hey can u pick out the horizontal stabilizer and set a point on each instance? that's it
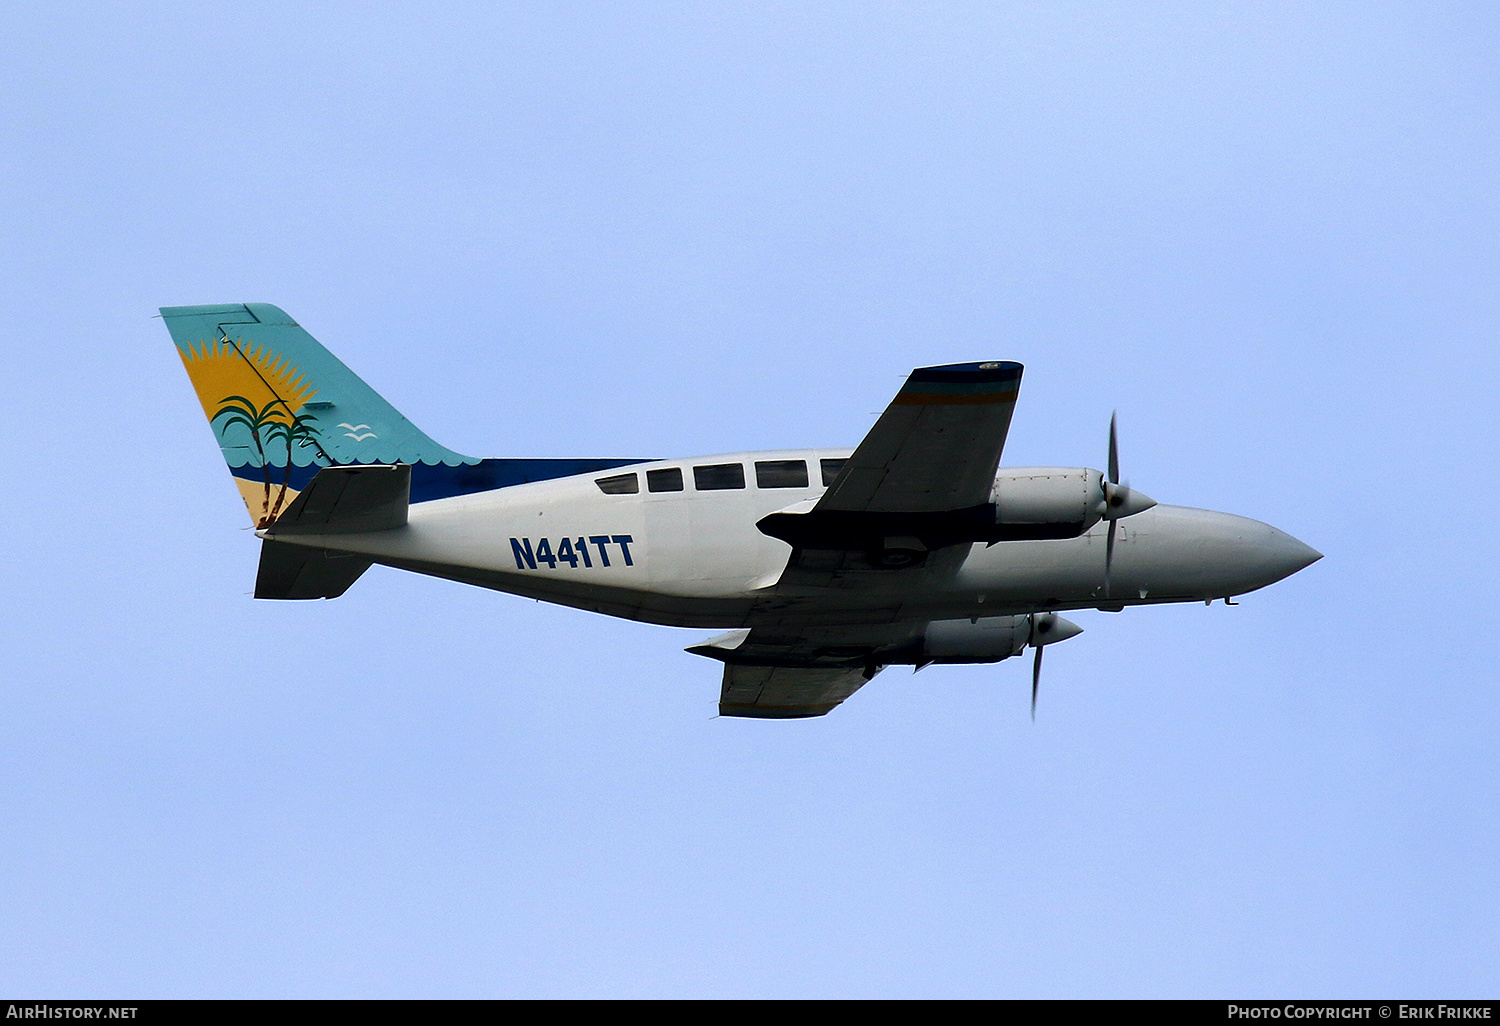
(349, 500)
(299, 572)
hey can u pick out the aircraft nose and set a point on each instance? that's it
(1290, 555)
(1216, 554)
(1266, 555)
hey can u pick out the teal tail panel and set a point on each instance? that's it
(281, 405)
(282, 408)
(252, 363)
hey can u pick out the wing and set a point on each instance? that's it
(937, 445)
(922, 480)
(896, 518)
(786, 672)
(787, 692)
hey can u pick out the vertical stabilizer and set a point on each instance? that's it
(282, 407)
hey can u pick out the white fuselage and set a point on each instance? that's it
(695, 558)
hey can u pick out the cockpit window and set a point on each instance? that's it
(781, 473)
(620, 484)
(668, 480)
(719, 476)
(831, 470)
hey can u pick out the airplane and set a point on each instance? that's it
(822, 566)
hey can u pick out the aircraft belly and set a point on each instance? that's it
(647, 606)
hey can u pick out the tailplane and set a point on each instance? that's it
(339, 501)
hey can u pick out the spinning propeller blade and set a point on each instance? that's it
(1109, 555)
(1114, 450)
(1036, 679)
(1046, 629)
(1119, 500)
(1114, 497)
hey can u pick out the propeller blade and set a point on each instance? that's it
(1109, 554)
(1114, 451)
(1036, 679)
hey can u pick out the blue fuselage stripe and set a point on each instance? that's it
(440, 481)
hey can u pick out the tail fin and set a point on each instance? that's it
(282, 407)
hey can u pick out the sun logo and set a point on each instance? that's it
(222, 368)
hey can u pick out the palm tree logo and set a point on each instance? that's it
(250, 388)
(273, 423)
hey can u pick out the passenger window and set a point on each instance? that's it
(668, 480)
(719, 476)
(831, 470)
(781, 473)
(620, 484)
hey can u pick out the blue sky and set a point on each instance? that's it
(1265, 232)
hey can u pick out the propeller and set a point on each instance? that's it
(1119, 500)
(1112, 498)
(1040, 625)
(1046, 629)
(1036, 679)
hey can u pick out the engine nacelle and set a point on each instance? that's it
(986, 640)
(1049, 495)
(990, 639)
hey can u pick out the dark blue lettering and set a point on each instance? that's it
(544, 554)
(565, 553)
(601, 542)
(524, 558)
(583, 551)
(624, 540)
